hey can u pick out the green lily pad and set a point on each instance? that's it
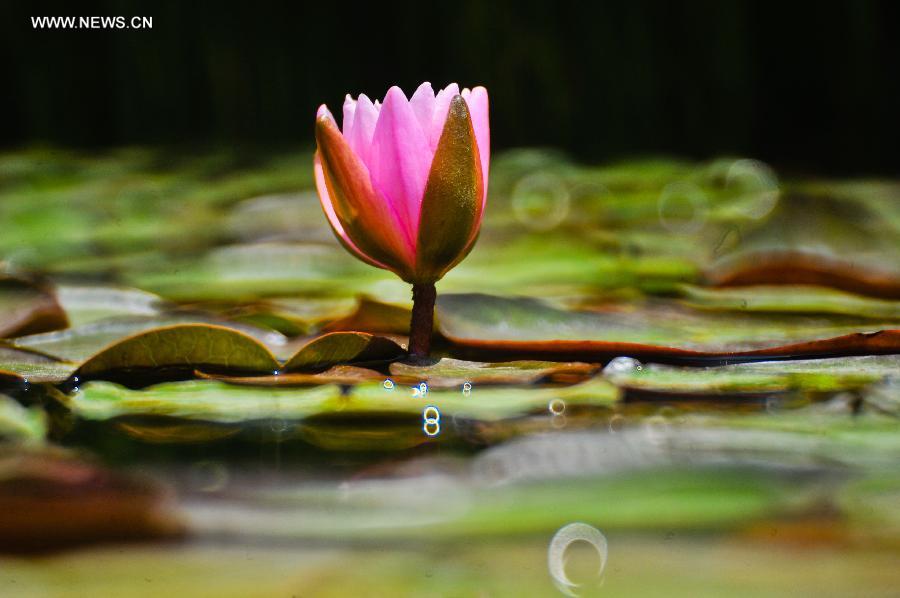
(342, 347)
(182, 345)
(818, 376)
(528, 328)
(33, 367)
(86, 304)
(211, 401)
(79, 343)
(791, 299)
(21, 424)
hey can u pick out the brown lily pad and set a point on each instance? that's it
(522, 328)
(49, 500)
(454, 372)
(339, 374)
(375, 317)
(28, 308)
(816, 240)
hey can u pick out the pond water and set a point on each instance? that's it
(649, 378)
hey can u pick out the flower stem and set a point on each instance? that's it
(422, 322)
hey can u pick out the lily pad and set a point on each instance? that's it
(375, 317)
(84, 304)
(816, 376)
(455, 372)
(339, 374)
(27, 366)
(792, 299)
(50, 500)
(28, 308)
(517, 328)
(342, 347)
(79, 343)
(182, 346)
(21, 424)
(211, 401)
(820, 240)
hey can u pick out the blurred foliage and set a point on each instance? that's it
(193, 314)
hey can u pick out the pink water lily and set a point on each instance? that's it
(404, 183)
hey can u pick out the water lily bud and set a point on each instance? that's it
(404, 183)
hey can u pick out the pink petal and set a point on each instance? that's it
(365, 216)
(400, 159)
(422, 103)
(360, 136)
(439, 117)
(349, 110)
(328, 207)
(477, 99)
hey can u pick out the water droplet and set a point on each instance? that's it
(209, 476)
(467, 389)
(656, 428)
(560, 544)
(755, 186)
(557, 406)
(682, 208)
(616, 423)
(621, 366)
(540, 201)
(388, 384)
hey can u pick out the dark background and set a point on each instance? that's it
(807, 86)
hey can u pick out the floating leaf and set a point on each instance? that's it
(792, 299)
(342, 347)
(454, 372)
(194, 346)
(33, 367)
(819, 376)
(339, 374)
(818, 240)
(21, 424)
(28, 308)
(211, 401)
(527, 328)
(79, 343)
(50, 500)
(86, 304)
(375, 317)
